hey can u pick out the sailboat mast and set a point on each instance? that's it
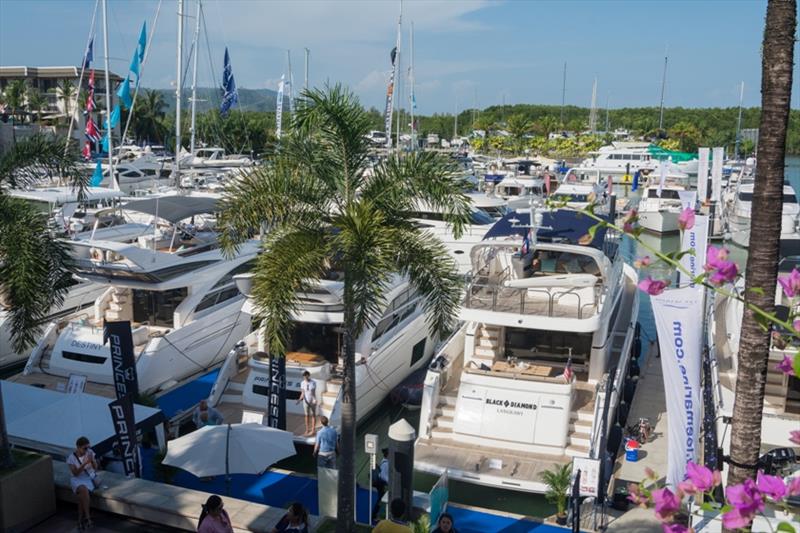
(739, 122)
(563, 93)
(398, 69)
(412, 96)
(291, 82)
(593, 109)
(195, 50)
(114, 183)
(178, 94)
(305, 82)
(663, 87)
(455, 118)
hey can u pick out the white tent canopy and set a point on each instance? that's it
(51, 421)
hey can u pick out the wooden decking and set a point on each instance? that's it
(51, 382)
(232, 413)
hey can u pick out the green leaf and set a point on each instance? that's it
(796, 364)
(679, 255)
(787, 527)
(756, 290)
(709, 507)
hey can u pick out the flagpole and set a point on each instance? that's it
(114, 183)
(80, 78)
(397, 69)
(413, 96)
(194, 73)
(178, 96)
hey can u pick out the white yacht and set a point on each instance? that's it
(738, 209)
(175, 287)
(621, 157)
(214, 157)
(398, 344)
(61, 204)
(492, 205)
(548, 326)
(576, 195)
(519, 187)
(659, 211)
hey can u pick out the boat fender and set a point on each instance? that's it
(438, 363)
(96, 255)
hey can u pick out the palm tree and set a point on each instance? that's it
(66, 92)
(33, 265)
(36, 102)
(518, 126)
(325, 211)
(762, 261)
(15, 96)
(557, 480)
(148, 119)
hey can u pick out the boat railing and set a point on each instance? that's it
(227, 371)
(40, 348)
(437, 378)
(530, 301)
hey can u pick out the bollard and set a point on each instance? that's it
(401, 463)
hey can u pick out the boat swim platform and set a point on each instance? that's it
(167, 505)
(295, 423)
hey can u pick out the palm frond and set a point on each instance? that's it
(367, 248)
(39, 158)
(433, 273)
(293, 257)
(33, 270)
(269, 195)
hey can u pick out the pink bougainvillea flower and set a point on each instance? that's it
(635, 495)
(653, 287)
(771, 486)
(643, 262)
(674, 528)
(790, 283)
(785, 366)
(631, 217)
(794, 436)
(746, 500)
(793, 486)
(796, 324)
(686, 218)
(699, 479)
(717, 264)
(666, 502)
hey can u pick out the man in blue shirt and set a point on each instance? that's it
(327, 446)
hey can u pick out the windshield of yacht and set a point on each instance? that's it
(748, 197)
(479, 216)
(583, 198)
(324, 340)
(666, 194)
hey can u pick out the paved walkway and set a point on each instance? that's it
(66, 518)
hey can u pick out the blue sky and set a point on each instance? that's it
(514, 48)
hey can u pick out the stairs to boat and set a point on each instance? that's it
(488, 345)
(329, 397)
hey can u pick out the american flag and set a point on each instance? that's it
(526, 243)
(90, 98)
(87, 150)
(92, 133)
(568, 373)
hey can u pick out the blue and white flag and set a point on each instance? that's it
(124, 93)
(142, 41)
(88, 57)
(230, 97)
(97, 177)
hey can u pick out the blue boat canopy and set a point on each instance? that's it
(568, 227)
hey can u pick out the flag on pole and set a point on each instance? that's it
(230, 96)
(91, 131)
(526, 243)
(635, 180)
(279, 109)
(142, 41)
(135, 65)
(87, 150)
(97, 177)
(387, 118)
(90, 97)
(662, 177)
(105, 143)
(124, 93)
(568, 372)
(115, 116)
(88, 57)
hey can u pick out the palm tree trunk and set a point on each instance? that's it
(762, 269)
(345, 513)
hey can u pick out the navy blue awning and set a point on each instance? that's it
(568, 227)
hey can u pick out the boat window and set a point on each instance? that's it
(496, 211)
(324, 340)
(666, 194)
(217, 297)
(479, 216)
(571, 198)
(83, 357)
(388, 323)
(263, 390)
(548, 346)
(787, 198)
(157, 308)
(241, 269)
(418, 352)
(555, 262)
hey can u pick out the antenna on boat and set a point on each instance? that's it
(739, 123)
(196, 52)
(178, 84)
(114, 183)
(663, 86)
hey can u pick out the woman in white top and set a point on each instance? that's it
(83, 466)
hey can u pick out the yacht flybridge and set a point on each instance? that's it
(172, 283)
(548, 326)
(659, 209)
(398, 344)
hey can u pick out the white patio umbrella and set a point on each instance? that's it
(229, 449)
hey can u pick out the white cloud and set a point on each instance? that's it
(375, 79)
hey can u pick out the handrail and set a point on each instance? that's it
(221, 383)
(507, 295)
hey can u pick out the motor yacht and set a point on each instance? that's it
(214, 157)
(172, 283)
(659, 208)
(398, 344)
(737, 213)
(532, 376)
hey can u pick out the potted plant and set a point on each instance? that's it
(557, 480)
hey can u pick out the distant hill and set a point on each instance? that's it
(208, 98)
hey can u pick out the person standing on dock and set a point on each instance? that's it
(380, 480)
(308, 395)
(327, 446)
(206, 416)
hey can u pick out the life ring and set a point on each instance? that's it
(96, 254)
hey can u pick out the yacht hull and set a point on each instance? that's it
(659, 221)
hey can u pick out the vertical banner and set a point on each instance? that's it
(439, 496)
(702, 174)
(279, 109)
(125, 429)
(387, 115)
(123, 362)
(717, 160)
(695, 239)
(679, 317)
(276, 408)
(688, 199)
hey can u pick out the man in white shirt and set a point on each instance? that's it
(308, 395)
